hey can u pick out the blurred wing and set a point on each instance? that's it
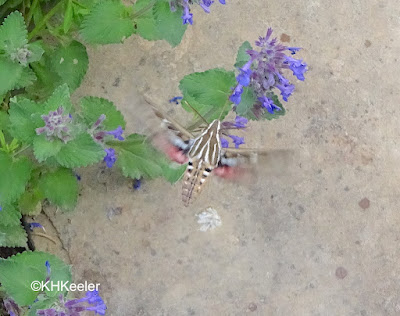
(244, 164)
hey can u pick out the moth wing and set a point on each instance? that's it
(246, 164)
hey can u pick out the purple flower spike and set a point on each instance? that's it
(56, 125)
(224, 142)
(48, 269)
(237, 140)
(240, 122)
(293, 50)
(187, 17)
(297, 66)
(286, 90)
(236, 96)
(116, 133)
(245, 72)
(136, 184)
(35, 225)
(269, 105)
(205, 4)
(172, 6)
(222, 1)
(175, 100)
(98, 309)
(110, 157)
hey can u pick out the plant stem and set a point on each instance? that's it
(43, 22)
(30, 13)
(21, 150)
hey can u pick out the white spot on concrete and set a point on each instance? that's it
(209, 219)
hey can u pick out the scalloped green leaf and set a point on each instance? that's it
(36, 52)
(13, 33)
(146, 25)
(19, 271)
(108, 22)
(137, 158)
(60, 97)
(26, 79)
(30, 202)
(15, 174)
(169, 24)
(173, 172)
(80, 152)
(242, 57)
(208, 92)
(71, 63)
(12, 236)
(93, 107)
(9, 216)
(9, 75)
(60, 187)
(24, 118)
(246, 105)
(44, 148)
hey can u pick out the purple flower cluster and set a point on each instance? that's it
(240, 123)
(11, 307)
(91, 302)
(187, 17)
(263, 72)
(56, 125)
(99, 134)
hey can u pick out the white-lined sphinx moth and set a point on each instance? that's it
(203, 153)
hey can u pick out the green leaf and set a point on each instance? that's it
(242, 57)
(9, 216)
(12, 236)
(60, 187)
(4, 121)
(173, 172)
(15, 174)
(136, 158)
(24, 118)
(13, 33)
(47, 79)
(169, 24)
(44, 148)
(146, 25)
(36, 50)
(68, 16)
(2, 2)
(108, 22)
(60, 97)
(80, 152)
(246, 105)
(93, 107)
(26, 79)
(30, 202)
(208, 92)
(19, 271)
(9, 75)
(71, 63)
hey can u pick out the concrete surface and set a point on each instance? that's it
(323, 239)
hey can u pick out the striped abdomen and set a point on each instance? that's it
(204, 155)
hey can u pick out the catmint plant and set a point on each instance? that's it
(264, 72)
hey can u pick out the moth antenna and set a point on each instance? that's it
(197, 112)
